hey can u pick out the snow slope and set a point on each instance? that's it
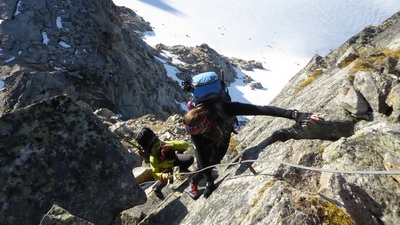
(283, 35)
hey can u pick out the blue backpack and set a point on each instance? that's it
(207, 87)
(205, 84)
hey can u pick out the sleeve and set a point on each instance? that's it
(155, 167)
(237, 109)
(179, 145)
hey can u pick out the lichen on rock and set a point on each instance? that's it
(56, 152)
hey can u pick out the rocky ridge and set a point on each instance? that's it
(85, 50)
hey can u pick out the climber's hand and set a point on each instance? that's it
(304, 119)
(164, 176)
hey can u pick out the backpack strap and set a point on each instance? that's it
(208, 99)
(218, 106)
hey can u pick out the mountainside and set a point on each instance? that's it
(86, 51)
(356, 89)
(70, 67)
(92, 52)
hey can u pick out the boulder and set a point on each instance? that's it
(54, 152)
(374, 88)
(355, 103)
(255, 85)
(142, 174)
(349, 56)
(393, 101)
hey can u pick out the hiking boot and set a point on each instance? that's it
(159, 194)
(210, 187)
(193, 191)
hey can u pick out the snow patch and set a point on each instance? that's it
(65, 45)
(171, 70)
(45, 38)
(59, 22)
(18, 7)
(183, 106)
(175, 59)
(9, 59)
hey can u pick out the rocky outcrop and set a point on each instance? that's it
(55, 152)
(83, 49)
(195, 60)
(202, 58)
(58, 215)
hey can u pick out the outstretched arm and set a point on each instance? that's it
(237, 108)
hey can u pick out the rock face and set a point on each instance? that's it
(54, 152)
(83, 49)
(356, 89)
(61, 163)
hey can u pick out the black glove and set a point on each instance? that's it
(303, 119)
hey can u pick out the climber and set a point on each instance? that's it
(163, 157)
(211, 124)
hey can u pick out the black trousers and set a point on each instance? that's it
(209, 153)
(184, 161)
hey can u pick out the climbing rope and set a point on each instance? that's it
(392, 172)
(376, 172)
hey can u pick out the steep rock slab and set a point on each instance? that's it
(369, 199)
(370, 145)
(54, 152)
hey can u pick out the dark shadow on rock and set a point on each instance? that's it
(325, 130)
(172, 213)
(362, 208)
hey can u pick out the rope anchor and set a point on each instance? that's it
(248, 164)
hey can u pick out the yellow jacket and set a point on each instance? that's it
(157, 164)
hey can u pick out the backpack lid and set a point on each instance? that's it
(204, 79)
